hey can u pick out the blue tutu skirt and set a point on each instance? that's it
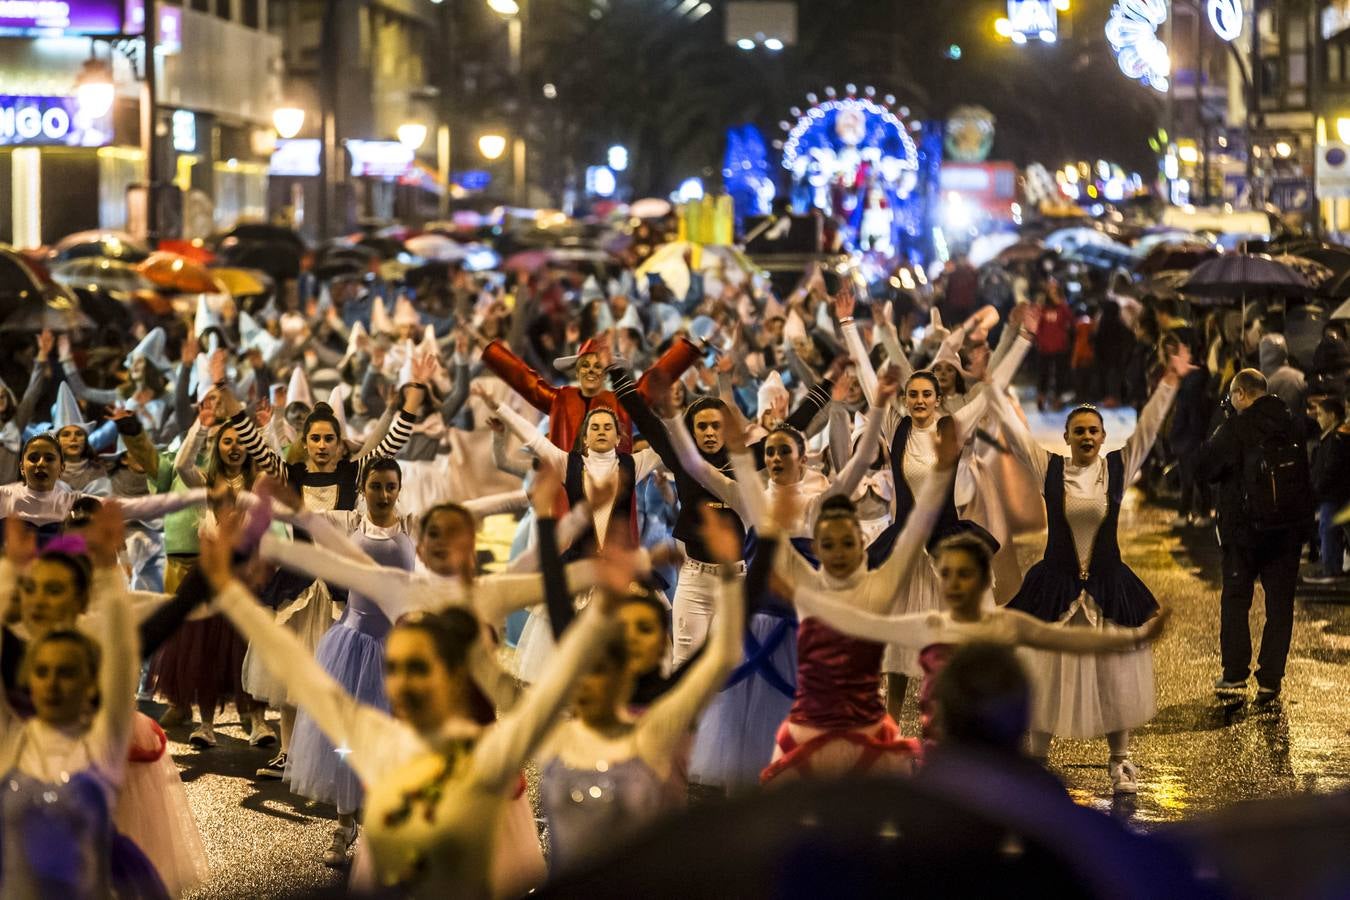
(314, 767)
(735, 738)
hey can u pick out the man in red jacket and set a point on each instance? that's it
(567, 406)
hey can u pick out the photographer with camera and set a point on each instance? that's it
(1265, 510)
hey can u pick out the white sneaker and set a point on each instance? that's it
(204, 737)
(262, 735)
(1124, 776)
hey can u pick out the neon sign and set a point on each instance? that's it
(73, 17)
(1132, 32)
(50, 121)
(1225, 17)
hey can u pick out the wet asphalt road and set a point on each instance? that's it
(1197, 755)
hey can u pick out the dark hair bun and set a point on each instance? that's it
(838, 504)
(321, 408)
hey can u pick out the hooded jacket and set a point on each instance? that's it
(1221, 461)
(1284, 381)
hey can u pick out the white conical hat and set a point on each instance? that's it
(254, 337)
(379, 319)
(630, 319)
(429, 345)
(354, 340)
(206, 318)
(269, 311)
(151, 348)
(794, 329)
(604, 317)
(325, 301)
(769, 390)
(404, 313)
(405, 373)
(67, 410)
(298, 390)
(590, 290)
(337, 399)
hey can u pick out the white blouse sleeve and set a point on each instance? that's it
(156, 506)
(118, 675)
(913, 631)
(532, 437)
(1020, 441)
(1146, 429)
(862, 363)
(724, 488)
(395, 591)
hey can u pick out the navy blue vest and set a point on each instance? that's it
(948, 522)
(1054, 583)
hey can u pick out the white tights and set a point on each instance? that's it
(1038, 745)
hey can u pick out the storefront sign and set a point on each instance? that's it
(50, 121)
(66, 16)
(1036, 19)
(1333, 170)
(296, 158)
(380, 159)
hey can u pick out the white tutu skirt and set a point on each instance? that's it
(310, 616)
(736, 735)
(535, 647)
(153, 810)
(1088, 695)
(923, 593)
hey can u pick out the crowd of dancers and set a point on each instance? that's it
(746, 523)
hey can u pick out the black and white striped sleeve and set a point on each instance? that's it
(400, 430)
(256, 447)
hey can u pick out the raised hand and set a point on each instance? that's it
(477, 390)
(845, 300)
(20, 542)
(616, 568)
(843, 384)
(733, 430)
(1179, 365)
(63, 346)
(104, 534)
(217, 367)
(191, 347)
(544, 494)
(45, 342)
(888, 385)
(720, 538)
(262, 413)
(217, 548)
(948, 444)
(424, 367)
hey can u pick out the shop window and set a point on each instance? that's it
(249, 13)
(225, 9)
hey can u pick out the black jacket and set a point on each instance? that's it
(1331, 469)
(1221, 461)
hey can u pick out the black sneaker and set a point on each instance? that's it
(275, 769)
(1230, 688)
(1265, 695)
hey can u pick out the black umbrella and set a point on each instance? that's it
(1333, 256)
(1241, 277)
(264, 233)
(57, 311)
(280, 259)
(1174, 256)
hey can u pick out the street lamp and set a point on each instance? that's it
(492, 146)
(288, 120)
(412, 135)
(504, 7)
(94, 89)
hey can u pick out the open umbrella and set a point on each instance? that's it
(436, 248)
(1172, 256)
(1101, 256)
(1314, 273)
(1242, 277)
(987, 247)
(1022, 251)
(107, 244)
(176, 273)
(57, 310)
(107, 274)
(262, 233)
(195, 250)
(527, 261)
(244, 282)
(1067, 238)
(280, 259)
